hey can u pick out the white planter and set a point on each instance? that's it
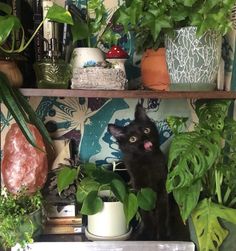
(83, 56)
(110, 222)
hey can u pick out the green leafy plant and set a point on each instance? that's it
(202, 172)
(16, 216)
(150, 20)
(10, 24)
(11, 97)
(91, 180)
(94, 26)
(21, 110)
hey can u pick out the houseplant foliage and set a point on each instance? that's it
(202, 172)
(151, 19)
(10, 24)
(16, 216)
(94, 25)
(21, 110)
(11, 97)
(91, 180)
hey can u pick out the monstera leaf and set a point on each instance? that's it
(191, 155)
(212, 114)
(187, 198)
(210, 234)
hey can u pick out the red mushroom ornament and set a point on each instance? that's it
(117, 57)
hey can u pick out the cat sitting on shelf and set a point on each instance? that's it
(146, 165)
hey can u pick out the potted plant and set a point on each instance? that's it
(194, 51)
(90, 70)
(152, 21)
(92, 181)
(11, 97)
(202, 173)
(93, 24)
(148, 20)
(21, 218)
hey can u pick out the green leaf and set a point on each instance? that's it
(209, 231)
(85, 187)
(6, 8)
(124, 18)
(176, 124)
(80, 31)
(191, 155)
(147, 199)
(187, 198)
(65, 178)
(104, 176)
(88, 168)
(92, 204)
(212, 114)
(130, 207)
(14, 107)
(33, 118)
(7, 24)
(59, 14)
(119, 189)
(189, 3)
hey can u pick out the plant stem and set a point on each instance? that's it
(226, 196)
(32, 37)
(232, 202)
(218, 181)
(87, 17)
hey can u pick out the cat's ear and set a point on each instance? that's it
(140, 113)
(116, 131)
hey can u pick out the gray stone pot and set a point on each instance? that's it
(193, 60)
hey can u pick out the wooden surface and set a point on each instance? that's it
(129, 94)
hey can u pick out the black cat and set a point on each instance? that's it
(146, 164)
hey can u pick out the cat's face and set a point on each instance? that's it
(140, 136)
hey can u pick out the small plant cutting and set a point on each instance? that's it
(91, 180)
(202, 173)
(17, 215)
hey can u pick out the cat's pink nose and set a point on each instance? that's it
(148, 145)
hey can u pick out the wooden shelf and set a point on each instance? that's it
(128, 94)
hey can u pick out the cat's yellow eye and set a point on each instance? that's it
(132, 139)
(147, 130)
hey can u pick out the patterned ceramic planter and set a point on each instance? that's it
(84, 57)
(193, 60)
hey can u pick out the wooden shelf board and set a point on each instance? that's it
(128, 94)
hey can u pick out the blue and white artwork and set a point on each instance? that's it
(85, 121)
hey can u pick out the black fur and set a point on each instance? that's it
(147, 168)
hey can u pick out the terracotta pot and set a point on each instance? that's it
(12, 72)
(154, 72)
